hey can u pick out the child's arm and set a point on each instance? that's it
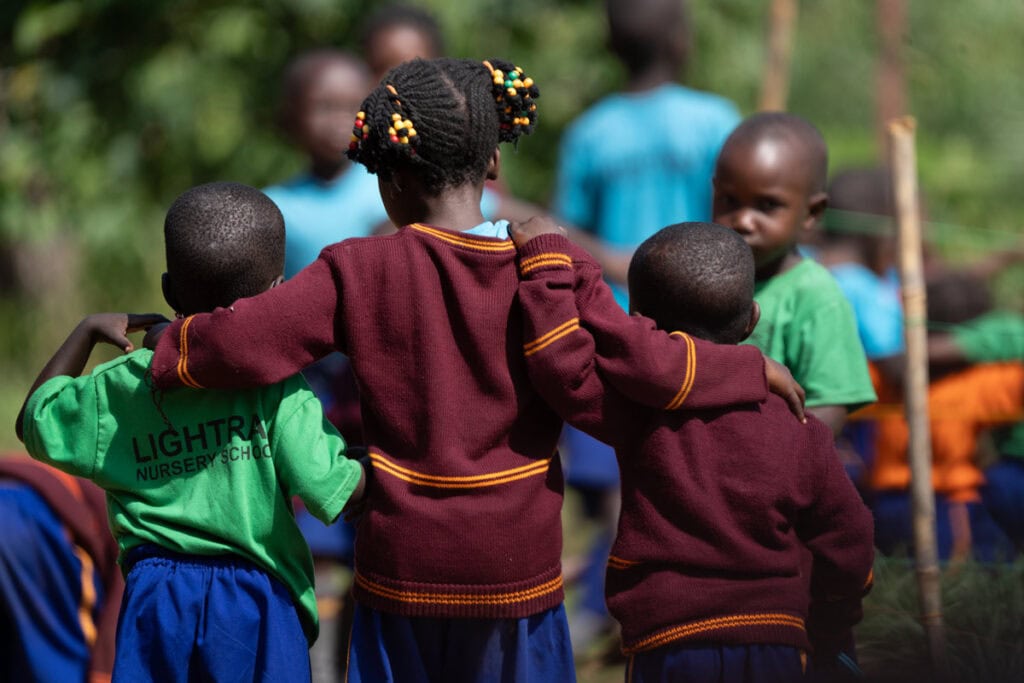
(256, 341)
(310, 457)
(71, 357)
(565, 300)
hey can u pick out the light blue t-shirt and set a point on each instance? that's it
(636, 162)
(498, 229)
(318, 213)
(876, 306)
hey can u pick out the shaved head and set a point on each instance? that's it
(802, 140)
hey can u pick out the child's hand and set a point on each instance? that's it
(153, 335)
(113, 328)
(522, 233)
(781, 382)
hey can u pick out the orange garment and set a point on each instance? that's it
(961, 406)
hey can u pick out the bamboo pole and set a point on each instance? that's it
(908, 222)
(775, 79)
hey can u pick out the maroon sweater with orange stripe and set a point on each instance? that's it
(463, 513)
(719, 506)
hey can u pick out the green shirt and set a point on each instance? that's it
(992, 338)
(808, 326)
(199, 472)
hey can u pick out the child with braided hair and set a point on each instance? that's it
(457, 558)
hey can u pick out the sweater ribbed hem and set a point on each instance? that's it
(777, 628)
(436, 600)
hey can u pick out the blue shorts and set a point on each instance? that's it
(386, 648)
(894, 528)
(186, 618)
(589, 463)
(717, 664)
(48, 599)
(1003, 495)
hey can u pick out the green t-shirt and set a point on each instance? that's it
(808, 326)
(992, 338)
(199, 472)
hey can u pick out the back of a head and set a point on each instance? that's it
(224, 241)
(796, 133)
(442, 119)
(697, 278)
(957, 297)
(644, 33)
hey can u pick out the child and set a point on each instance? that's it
(333, 199)
(707, 575)
(60, 587)
(769, 186)
(458, 550)
(397, 33)
(637, 160)
(198, 485)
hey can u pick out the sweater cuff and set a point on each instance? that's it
(166, 358)
(545, 252)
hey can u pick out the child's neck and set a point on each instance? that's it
(456, 208)
(779, 266)
(326, 170)
(651, 77)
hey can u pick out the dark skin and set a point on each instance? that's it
(780, 380)
(764, 190)
(71, 357)
(320, 118)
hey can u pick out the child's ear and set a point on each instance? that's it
(755, 315)
(816, 205)
(494, 165)
(168, 289)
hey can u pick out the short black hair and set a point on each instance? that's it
(860, 203)
(224, 241)
(300, 73)
(783, 126)
(957, 297)
(697, 278)
(395, 15)
(642, 33)
(460, 109)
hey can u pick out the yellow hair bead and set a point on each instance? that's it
(399, 125)
(527, 82)
(361, 116)
(404, 140)
(391, 131)
(517, 83)
(511, 91)
(396, 117)
(411, 132)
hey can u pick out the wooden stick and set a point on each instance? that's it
(775, 81)
(908, 222)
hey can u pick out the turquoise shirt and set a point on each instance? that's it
(636, 162)
(807, 325)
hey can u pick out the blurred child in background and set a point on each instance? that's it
(769, 187)
(199, 485)
(60, 586)
(707, 574)
(637, 160)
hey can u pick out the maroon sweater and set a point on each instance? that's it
(463, 512)
(719, 506)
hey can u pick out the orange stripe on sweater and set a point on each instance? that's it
(460, 598)
(688, 378)
(568, 327)
(459, 482)
(183, 373)
(465, 240)
(716, 624)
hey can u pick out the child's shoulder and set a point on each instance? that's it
(808, 282)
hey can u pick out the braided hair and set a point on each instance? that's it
(443, 118)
